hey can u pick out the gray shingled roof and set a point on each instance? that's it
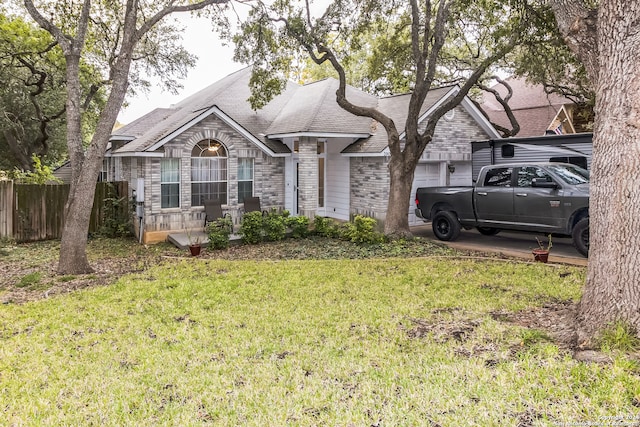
(229, 95)
(315, 110)
(395, 107)
(139, 126)
(311, 108)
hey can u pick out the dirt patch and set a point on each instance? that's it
(48, 283)
(458, 330)
(557, 319)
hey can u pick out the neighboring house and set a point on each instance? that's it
(537, 112)
(301, 152)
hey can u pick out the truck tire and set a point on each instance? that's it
(446, 226)
(580, 236)
(488, 231)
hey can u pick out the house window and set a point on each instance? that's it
(170, 183)
(245, 178)
(103, 176)
(208, 172)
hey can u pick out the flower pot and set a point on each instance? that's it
(195, 249)
(541, 255)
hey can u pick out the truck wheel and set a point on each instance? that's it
(488, 231)
(580, 236)
(446, 226)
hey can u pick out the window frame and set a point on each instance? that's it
(216, 155)
(242, 193)
(169, 184)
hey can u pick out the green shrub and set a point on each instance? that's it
(117, 216)
(361, 230)
(325, 227)
(219, 231)
(251, 228)
(29, 280)
(299, 226)
(273, 225)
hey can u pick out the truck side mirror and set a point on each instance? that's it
(543, 183)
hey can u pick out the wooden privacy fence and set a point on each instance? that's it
(30, 212)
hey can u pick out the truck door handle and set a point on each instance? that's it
(481, 193)
(521, 194)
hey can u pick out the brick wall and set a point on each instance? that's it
(369, 187)
(452, 138)
(308, 176)
(370, 176)
(268, 177)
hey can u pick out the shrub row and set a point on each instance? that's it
(259, 227)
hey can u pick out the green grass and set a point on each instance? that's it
(30, 280)
(305, 342)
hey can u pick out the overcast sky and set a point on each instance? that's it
(214, 62)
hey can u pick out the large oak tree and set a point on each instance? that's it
(111, 34)
(31, 95)
(605, 36)
(424, 42)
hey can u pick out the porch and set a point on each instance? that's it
(181, 239)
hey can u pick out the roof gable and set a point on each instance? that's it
(397, 106)
(311, 109)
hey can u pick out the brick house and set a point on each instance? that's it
(301, 152)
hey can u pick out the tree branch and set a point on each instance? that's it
(146, 26)
(504, 102)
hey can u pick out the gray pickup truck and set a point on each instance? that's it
(547, 197)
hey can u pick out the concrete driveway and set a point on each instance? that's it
(509, 243)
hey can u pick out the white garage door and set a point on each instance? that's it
(427, 175)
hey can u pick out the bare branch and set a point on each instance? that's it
(64, 42)
(504, 102)
(172, 9)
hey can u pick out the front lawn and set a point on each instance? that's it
(383, 341)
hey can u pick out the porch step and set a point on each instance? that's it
(181, 240)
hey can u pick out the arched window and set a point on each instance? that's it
(208, 172)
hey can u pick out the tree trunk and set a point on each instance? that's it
(612, 291)
(401, 173)
(17, 150)
(73, 245)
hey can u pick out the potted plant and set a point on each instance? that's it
(195, 243)
(541, 253)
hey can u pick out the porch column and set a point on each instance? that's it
(308, 176)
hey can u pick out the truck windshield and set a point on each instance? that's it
(572, 175)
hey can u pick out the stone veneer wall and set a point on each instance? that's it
(452, 138)
(369, 187)
(308, 176)
(370, 175)
(268, 177)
